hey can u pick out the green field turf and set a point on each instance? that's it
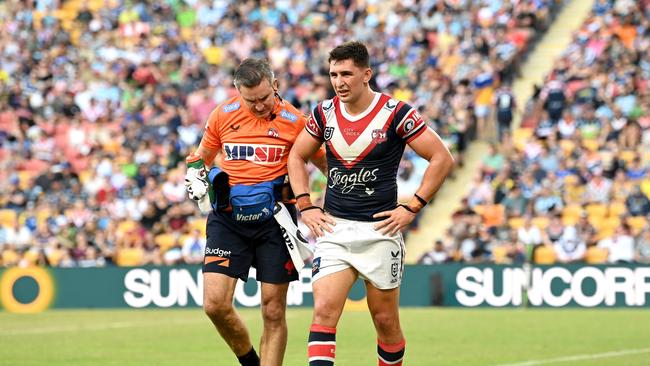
(434, 337)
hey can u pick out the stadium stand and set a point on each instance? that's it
(580, 157)
(100, 100)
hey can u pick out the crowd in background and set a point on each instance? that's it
(573, 184)
(101, 100)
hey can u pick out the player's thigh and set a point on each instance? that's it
(272, 259)
(218, 290)
(380, 301)
(228, 250)
(331, 292)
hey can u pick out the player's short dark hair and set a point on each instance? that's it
(252, 71)
(353, 50)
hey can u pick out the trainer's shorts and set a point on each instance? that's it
(232, 248)
(378, 258)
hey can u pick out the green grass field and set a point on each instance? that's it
(434, 337)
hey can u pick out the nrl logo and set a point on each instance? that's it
(329, 131)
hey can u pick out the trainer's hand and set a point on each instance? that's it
(396, 220)
(196, 183)
(317, 221)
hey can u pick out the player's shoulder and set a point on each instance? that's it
(226, 111)
(400, 108)
(290, 113)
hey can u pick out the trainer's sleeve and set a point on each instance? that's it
(211, 139)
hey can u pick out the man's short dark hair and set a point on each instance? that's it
(252, 71)
(353, 50)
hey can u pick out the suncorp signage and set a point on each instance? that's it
(553, 286)
(184, 287)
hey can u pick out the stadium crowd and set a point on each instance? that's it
(572, 185)
(101, 100)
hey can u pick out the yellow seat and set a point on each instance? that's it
(567, 147)
(545, 255)
(627, 156)
(521, 136)
(616, 209)
(596, 255)
(569, 220)
(596, 221)
(125, 226)
(85, 176)
(25, 179)
(572, 211)
(130, 257)
(500, 254)
(591, 145)
(637, 223)
(571, 179)
(165, 241)
(516, 222)
(479, 209)
(596, 209)
(7, 217)
(610, 223)
(540, 221)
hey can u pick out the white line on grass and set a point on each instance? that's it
(593, 356)
(93, 327)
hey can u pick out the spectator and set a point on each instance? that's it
(438, 254)
(620, 245)
(642, 254)
(570, 247)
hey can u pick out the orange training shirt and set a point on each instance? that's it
(253, 150)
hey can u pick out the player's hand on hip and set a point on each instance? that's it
(196, 183)
(317, 221)
(396, 220)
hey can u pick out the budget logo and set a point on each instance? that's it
(256, 153)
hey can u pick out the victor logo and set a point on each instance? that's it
(348, 181)
(248, 218)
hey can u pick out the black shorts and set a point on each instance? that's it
(232, 248)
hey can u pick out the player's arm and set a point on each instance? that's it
(208, 155)
(303, 149)
(429, 146)
(319, 160)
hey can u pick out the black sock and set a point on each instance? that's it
(249, 359)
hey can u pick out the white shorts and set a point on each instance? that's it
(378, 258)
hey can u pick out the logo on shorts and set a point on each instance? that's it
(394, 268)
(221, 257)
(289, 266)
(315, 266)
(394, 254)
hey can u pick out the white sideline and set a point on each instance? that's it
(593, 356)
(93, 327)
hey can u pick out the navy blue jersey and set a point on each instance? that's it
(363, 153)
